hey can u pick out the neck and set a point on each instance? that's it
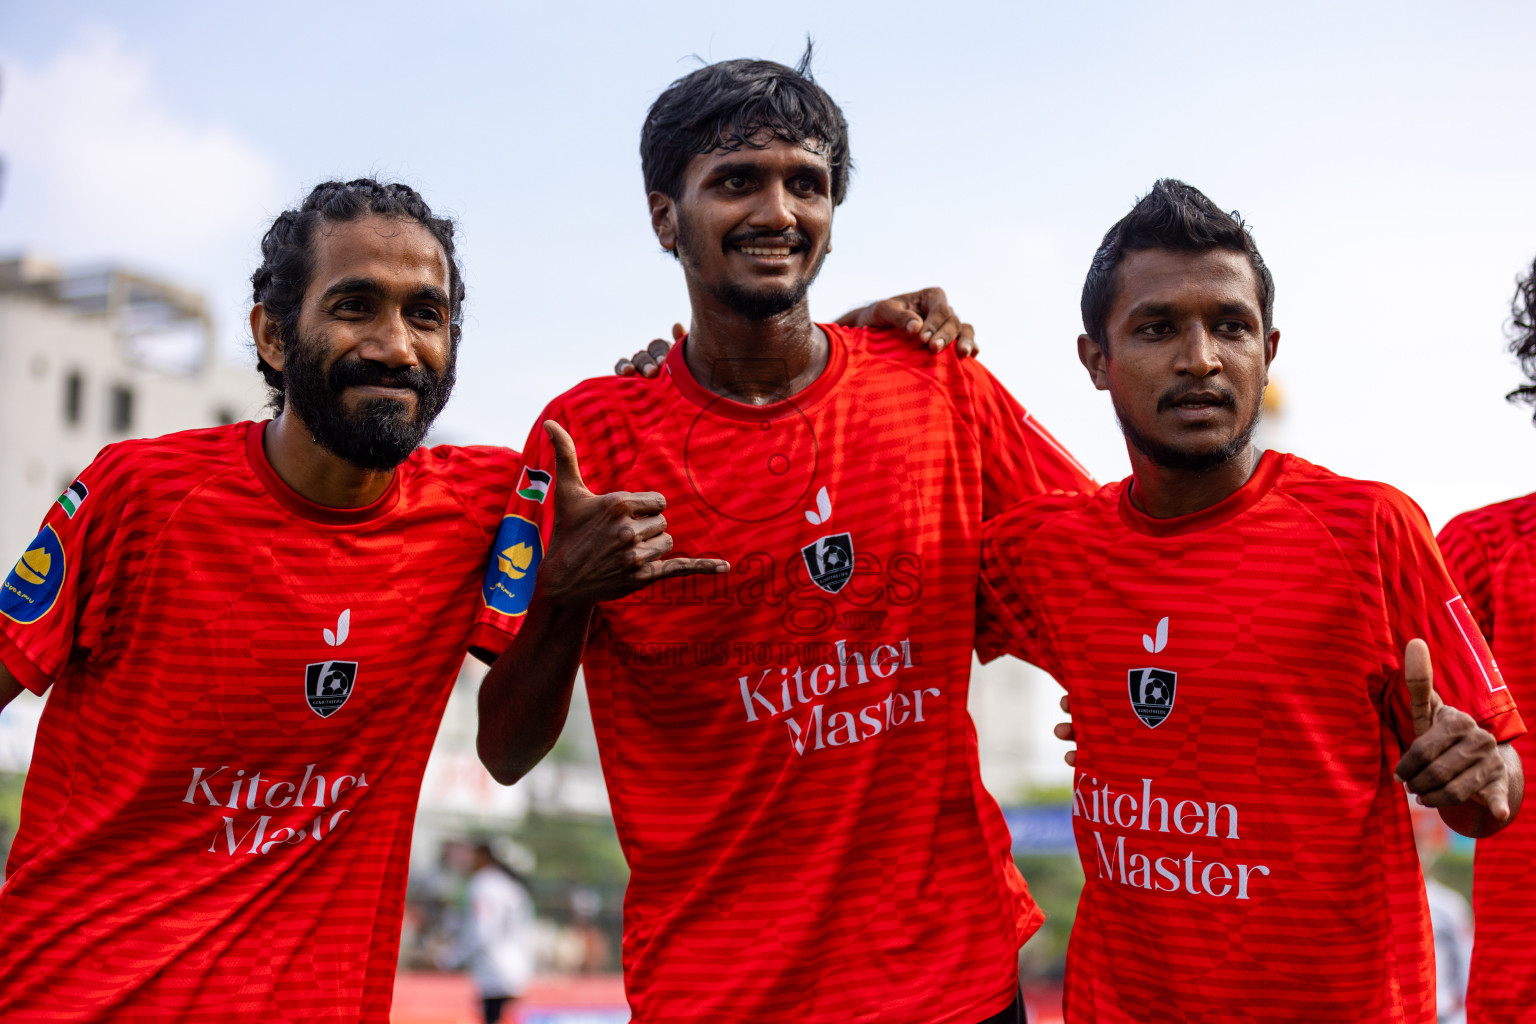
(1162, 492)
(754, 361)
(315, 473)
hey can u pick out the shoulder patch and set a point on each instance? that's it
(33, 586)
(514, 566)
(73, 497)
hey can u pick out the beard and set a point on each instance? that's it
(378, 433)
(762, 303)
(1169, 457)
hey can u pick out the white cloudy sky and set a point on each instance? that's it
(1383, 152)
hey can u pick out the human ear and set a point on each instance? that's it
(269, 346)
(1095, 360)
(664, 219)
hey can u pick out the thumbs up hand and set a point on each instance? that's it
(1453, 761)
(606, 546)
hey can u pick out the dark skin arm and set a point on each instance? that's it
(925, 314)
(604, 546)
(1454, 765)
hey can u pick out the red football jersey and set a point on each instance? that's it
(1237, 697)
(792, 768)
(243, 690)
(1491, 554)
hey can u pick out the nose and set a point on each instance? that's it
(773, 211)
(1199, 356)
(390, 342)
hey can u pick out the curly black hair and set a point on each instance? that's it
(288, 262)
(1522, 341)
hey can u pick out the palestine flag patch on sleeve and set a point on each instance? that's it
(73, 497)
(533, 484)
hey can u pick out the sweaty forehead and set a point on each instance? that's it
(765, 148)
(1168, 277)
(392, 251)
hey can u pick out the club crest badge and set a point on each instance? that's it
(328, 684)
(1152, 694)
(830, 561)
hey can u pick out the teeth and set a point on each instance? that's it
(759, 251)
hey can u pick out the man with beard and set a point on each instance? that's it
(1491, 553)
(1246, 640)
(791, 766)
(248, 635)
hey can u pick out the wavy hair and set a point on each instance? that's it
(288, 255)
(1522, 340)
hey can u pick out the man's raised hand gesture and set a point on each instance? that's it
(1454, 764)
(606, 546)
(603, 547)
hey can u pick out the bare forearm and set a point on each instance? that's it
(527, 692)
(1473, 819)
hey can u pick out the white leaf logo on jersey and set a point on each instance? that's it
(1152, 646)
(823, 509)
(344, 621)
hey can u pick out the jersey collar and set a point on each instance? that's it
(1228, 508)
(837, 361)
(301, 506)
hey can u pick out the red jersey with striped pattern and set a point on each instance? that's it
(792, 768)
(1239, 708)
(1491, 553)
(243, 690)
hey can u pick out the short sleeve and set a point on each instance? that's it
(55, 603)
(1422, 601)
(1020, 458)
(1007, 619)
(521, 539)
(1471, 569)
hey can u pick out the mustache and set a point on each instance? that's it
(792, 237)
(357, 372)
(1174, 396)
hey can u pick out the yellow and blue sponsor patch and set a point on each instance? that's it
(33, 586)
(514, 566)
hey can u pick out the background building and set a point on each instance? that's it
(89, 357)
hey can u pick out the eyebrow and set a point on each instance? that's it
(1166, 309)
(748, 169)
(368, 286)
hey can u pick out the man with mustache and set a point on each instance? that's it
(790, 762)
(1246, 640)
(1489, 552)
(248, 635)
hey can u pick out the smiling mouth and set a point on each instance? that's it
(766, 250)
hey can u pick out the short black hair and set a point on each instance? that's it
(732, 104)
(1172, 216)
(288, 255)
(1522, 341)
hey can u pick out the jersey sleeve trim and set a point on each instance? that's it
(20, 666)
(487, 638)
(1505, 726)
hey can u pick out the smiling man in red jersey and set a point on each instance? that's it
(792, 768)
(1247, 642)
(248, 635)
(1491, 553)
